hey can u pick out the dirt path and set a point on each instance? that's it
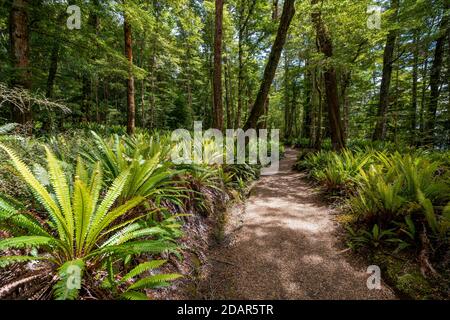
(286, 248)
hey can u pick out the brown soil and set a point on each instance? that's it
(285, 246)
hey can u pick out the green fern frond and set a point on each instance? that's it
(134, 296)
(61, 188)
(70, 278)
(136, 234)
(28, 242)
(40, 193)
(143, 267)
(9, 260)
(136, 247)
(159, 280)
(115, 214)
(82, 209)
(106, 204)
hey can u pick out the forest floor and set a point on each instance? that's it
(284, 244)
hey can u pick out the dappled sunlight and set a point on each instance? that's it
(286, 248)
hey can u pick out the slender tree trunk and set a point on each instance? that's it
(52, 70)
(228, 100)
(242, 30)
(319, 130)
(217, 78)
(345, 102)
(331, 88)
(307, 110)
(86, 101)
(415, 76)
(271, 67)
(131, 107)
(263, 124)
(293, 107)
(20, 53)
(435, 78)
(143, 86)
(104, 113)
(287, 131)
(381, 125)
(423, 96)
(274, 10)
(237, 121)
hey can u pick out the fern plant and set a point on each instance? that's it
(125, 288)
(82, 229)
(150, 172)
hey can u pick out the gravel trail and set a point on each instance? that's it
(286, 247)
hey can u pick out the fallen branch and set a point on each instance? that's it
(426, 267)
(24, 100)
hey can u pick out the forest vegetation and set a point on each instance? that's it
(87, 182)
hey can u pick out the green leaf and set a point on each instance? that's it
(134, 295)
(143, 267)
(70, 279)
(155, 281)
(6, 261)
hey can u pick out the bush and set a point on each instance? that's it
(81, 231)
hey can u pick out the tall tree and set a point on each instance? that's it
(414, 90)
(242, 26)
(131, 106)
(325, 46)
(272, 64)
(274, 10)
(435, 75)
(383, 106)
(20, 52)
(217, 77)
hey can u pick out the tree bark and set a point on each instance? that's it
(20, 53)
(85, 103)
(345, 100)
(274, 10)
(131, 106)
(415, 76)
(287, 129)
(228, 98)
(217, 77)
(319, 122)
(435, 77)
(271, 67)
(383, 106)
(237, 120)
(326, 47)
(52, 70)
(308, 110)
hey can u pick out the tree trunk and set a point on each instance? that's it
(131, 107)
(415, 76)
(271, 67)
(217, 77)
(274, 10)
(326, 47)
(287, 129)
(228, 100)
(52, 70)
(319, 124)
(307, 117)
(85, 103)
(435, 77)
(381, 125)
(20, 53)
(346, 103)
(237, 120)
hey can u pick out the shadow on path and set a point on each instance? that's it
(286, 248)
